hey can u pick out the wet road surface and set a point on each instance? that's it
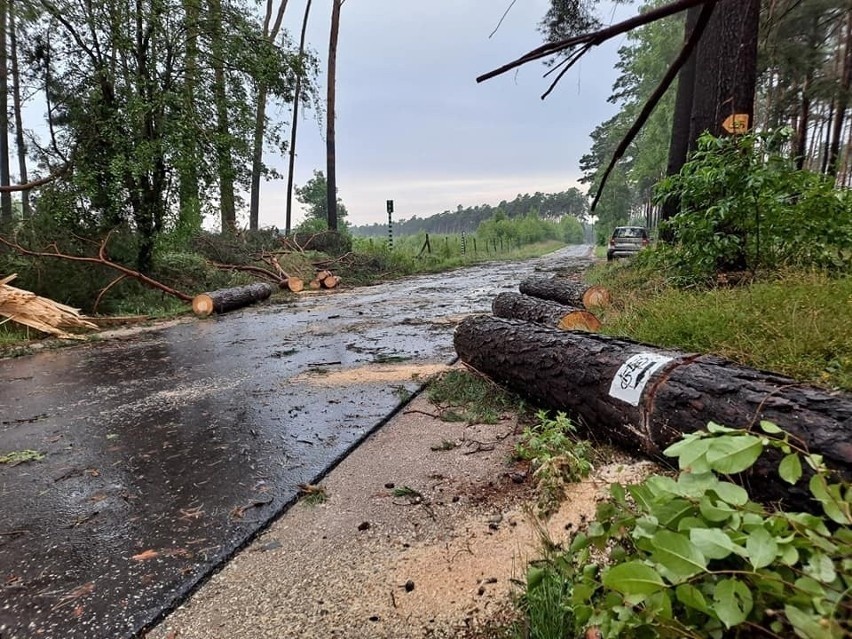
(168, 451)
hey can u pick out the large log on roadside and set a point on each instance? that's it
(565, 292)
(532, 309)
(229, 299)
(644, 398)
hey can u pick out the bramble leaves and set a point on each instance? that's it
(694, 556)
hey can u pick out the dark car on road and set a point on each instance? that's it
(627, 241)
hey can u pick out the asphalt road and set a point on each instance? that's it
(166, 452)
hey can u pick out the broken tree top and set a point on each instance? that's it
(645, 398)
(40, 313)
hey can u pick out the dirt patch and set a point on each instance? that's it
(425, 532)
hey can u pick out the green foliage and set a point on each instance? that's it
(744, 206)
(16, 457)
(795, 322)
(643, 60)
(556, 455)
(313, 194)
(548, 206)
(694, 556)
(466, 396)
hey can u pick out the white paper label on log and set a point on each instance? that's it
(631, 378)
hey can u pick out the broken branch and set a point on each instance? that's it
(656, 96)
(596, 37)
(102, 260)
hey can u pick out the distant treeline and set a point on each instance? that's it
(552, 206)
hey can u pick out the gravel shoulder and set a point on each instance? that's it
(368, 563)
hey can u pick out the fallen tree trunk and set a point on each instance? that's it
(644, 398)
(565, 292)
(229, 299)
(43, 314)
(532, 309)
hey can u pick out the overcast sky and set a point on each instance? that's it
(413, 125)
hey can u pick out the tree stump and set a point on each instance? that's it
(228, 299)
(532, 309)
(644, 398)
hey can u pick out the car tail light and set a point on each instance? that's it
(645, 241)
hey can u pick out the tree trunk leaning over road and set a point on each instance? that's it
(229, 299)
(644, 398)
(566, 292)
(552, 314)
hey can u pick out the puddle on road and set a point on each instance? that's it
(371, 373)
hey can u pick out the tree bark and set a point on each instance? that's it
(229, 299)
(18, 107)
(189, 214)
(680, 122)
(331, 157)
(726, 68)
(297, 93)
(260, 119)
(842, 101)
(552, 314)
(5, 180)
(227, 203)
(565, 292)
(618, 398)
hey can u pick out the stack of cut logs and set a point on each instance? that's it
(229, 299)
(642, 397)
(324, 279)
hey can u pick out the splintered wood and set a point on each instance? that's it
(40, 313)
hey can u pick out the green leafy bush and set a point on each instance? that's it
(744, 206)
(694, 556)
(557, 457)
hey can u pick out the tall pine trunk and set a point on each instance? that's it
(260, 119)
(800, 149)
(842, 101)
(296, 97)
(189, 215)
(5, 198)
(227, 205)
(330, 152)
(18, 105)
(680, 122)
(727, 68)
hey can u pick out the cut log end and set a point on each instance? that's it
(580, 321)
(202, 305)
(314, 285)
(295, 284)
(597, 297)
(331, 282)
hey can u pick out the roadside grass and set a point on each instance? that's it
(794, 322)
(464, 396)
(11, 334)
(312, 494)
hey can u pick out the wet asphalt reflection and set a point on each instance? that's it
(167, 451)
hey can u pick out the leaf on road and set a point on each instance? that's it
(145, 556)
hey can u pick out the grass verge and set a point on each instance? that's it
(464, 396)
(795, 323)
